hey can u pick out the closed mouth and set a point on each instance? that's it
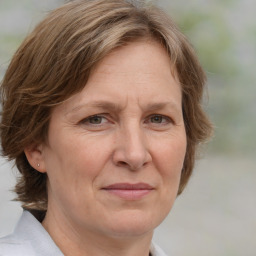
(129, 186)
(129, 191)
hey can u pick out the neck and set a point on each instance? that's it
(76, 242)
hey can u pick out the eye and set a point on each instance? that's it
(156, 119)
(94, 120)
(159, 119)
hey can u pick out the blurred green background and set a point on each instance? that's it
(224, 35)
(216, 213)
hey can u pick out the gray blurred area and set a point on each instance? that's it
(216, 214)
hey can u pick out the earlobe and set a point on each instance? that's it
(34, 154)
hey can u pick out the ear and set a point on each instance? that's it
(34, 154)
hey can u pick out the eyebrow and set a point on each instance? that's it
(99, 104)
(161, 105)
(106, 105)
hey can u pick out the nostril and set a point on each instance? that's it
(122, 163)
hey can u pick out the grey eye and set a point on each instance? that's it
(95, 120)
(156, 119)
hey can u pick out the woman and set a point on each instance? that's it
(102, 115)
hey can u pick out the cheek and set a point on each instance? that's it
(169, 160)
(171, 153)
(74, 167)
(90, 156)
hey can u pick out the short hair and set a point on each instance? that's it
(55, 60)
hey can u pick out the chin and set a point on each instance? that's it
(134, 223)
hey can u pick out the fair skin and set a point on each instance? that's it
(114, 155)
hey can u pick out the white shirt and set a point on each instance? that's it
(31, 239)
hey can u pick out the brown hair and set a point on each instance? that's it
(55, 60)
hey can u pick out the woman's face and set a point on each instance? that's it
(116, 149)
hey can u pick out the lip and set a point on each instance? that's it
(129, 191)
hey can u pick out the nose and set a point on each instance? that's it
(131, 150)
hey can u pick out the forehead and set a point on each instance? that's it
(144, 54)
(140, 63)
(140, 71)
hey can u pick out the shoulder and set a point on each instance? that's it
(156, 250)
(17, 244)
(28, 239)
(13, 246)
